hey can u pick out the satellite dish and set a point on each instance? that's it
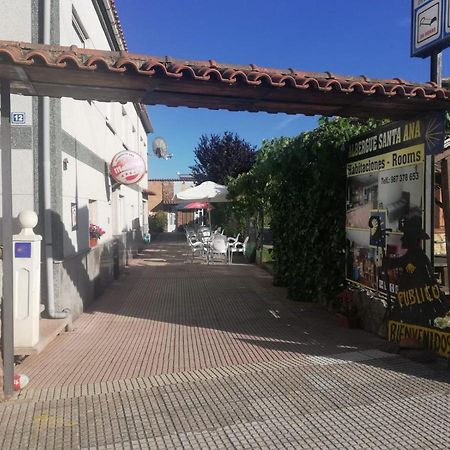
(160, 148)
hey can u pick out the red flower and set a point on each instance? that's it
(95, 232)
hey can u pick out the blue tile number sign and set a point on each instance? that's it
(18, 118)
(22, 250)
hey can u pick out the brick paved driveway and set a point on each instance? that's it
(182, 355)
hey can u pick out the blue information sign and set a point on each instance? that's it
(430, 27)
(22, 250)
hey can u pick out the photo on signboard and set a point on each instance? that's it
(400, 193)
(362, 197)
(361, 259)
(377, 228)
(394, 249)
(364, 261)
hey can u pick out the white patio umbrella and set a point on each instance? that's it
(208, 191)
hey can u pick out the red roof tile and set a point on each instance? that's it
(118, 24)
(122, 76)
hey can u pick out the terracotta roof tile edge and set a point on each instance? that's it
(252, 75)
(117, 23)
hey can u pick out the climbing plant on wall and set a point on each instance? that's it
(300, 182)
(250, 190)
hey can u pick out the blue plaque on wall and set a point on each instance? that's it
(22, 249)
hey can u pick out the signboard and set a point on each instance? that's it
(447, 19)
(438, 341)
(384, 216)
(385, 187)
(430, 26)
(127, 167)
(18, 118)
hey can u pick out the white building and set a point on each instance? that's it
(84, 136)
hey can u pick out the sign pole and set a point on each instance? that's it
(436, 77)
(7, 232)
(436, 68)
(445, 206)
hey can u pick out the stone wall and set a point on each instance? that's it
(1, 360)
(1, 378)
(372, 312)
(80, 279)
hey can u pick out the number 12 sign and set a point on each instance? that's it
(18, 118)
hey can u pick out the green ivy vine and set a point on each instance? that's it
(299, 184)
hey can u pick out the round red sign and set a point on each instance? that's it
(127, 167)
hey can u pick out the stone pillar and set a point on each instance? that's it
(27, 281)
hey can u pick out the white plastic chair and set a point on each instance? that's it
(204, 233)
(190, 234)
(203, 229)
(196, 247)
(218, 247)
(238, 247)
(232, 240)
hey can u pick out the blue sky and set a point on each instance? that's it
(350, 37)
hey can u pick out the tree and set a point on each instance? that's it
(219, 157)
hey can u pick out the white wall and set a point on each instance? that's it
(87, 123)
(89, 18)
(77, 279)
(15, 21)
(15, 24)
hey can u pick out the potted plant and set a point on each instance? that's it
(347, 312)
(95, 233)
(443, 322)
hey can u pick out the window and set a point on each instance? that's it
(79, 27)
(92, 209)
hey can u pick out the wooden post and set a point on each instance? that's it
(446, 208)
(7, 232)
(436, 68)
